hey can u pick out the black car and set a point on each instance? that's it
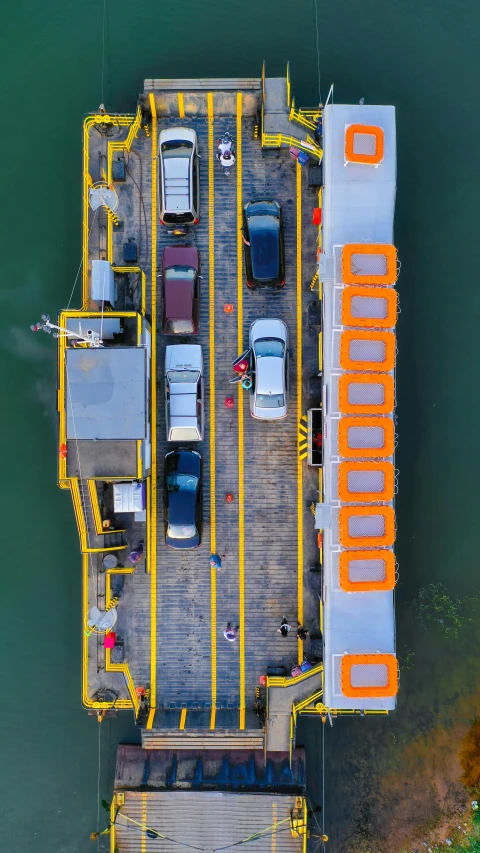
(263, 244)
(183, 499)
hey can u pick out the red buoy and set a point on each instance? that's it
(229, 498)
(229, 402)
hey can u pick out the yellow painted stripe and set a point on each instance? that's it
(153, 394)
(143, 847)
(213, 509)
(274, 827)
(183, 718)
(299, 409)
(181, 105)
(241, 493)
(320, 351)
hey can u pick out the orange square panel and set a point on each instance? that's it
(364, 143)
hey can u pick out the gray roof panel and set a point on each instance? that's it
(106, 393)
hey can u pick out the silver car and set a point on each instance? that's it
(178, 185)
(184, 405)
(268, 342)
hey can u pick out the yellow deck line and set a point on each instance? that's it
(213, 515)
(181, 105)
(153, 475)
(143, 848)
(183, 718)
(299, 408)
(241, 493)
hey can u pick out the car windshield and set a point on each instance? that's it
(176, 149)
(180, 274)
(180, 327)
(269, 347)
(270, 401)
(181, 531)
(182, 483)
(176, 376)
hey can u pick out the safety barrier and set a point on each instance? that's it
(366, 393)
(364, 143)
(369, 675)
(372, 350)
(366, 438)
(366, 482)
(276, 140)
(82, 524)
(366, 526)
(369, 263)
(369, 308)
(99, 529)
(367, 571)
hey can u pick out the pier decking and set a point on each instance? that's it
(173, 608)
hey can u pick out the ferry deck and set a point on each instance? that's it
(189, 688)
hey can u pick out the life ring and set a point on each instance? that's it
(247, 383)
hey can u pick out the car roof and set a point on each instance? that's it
(179, 300)
(269, 379)
(268, 327)
(264, 232)
(177, 134)
(183, 256)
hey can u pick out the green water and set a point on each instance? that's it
(420, 57)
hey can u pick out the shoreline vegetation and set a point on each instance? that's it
(412, 777)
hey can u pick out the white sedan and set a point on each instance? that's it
(268, 342)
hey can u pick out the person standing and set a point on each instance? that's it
(285, 628)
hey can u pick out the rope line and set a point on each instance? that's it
(81, 263)
(103, 48)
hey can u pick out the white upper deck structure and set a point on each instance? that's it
(358, 269)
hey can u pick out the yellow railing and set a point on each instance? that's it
(307, 118)
(87, 701)
(263, 83)
(93, 494)
(302, 706)
(282, 681)
(152, 490)
(82, 525)
(276, 140)
(120, 667)
(122, 145)
(288, 84)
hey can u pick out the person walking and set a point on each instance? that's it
(302, 633)
(285, 628)
(230, 632)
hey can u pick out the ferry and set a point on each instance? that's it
(226, 395)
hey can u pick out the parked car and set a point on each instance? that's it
(263, 244)
(178, 183)
(180, 290)
(184, 404)
(268, 340)
(183, 499)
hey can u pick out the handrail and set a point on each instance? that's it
(300, 118)
(82, 524)
(276, 140)
(282, 681)
(120, 704)
(120, 667)
(288, 84)
(92, 491)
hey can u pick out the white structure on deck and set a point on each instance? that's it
(358, 269)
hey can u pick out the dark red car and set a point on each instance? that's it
(180, 290)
